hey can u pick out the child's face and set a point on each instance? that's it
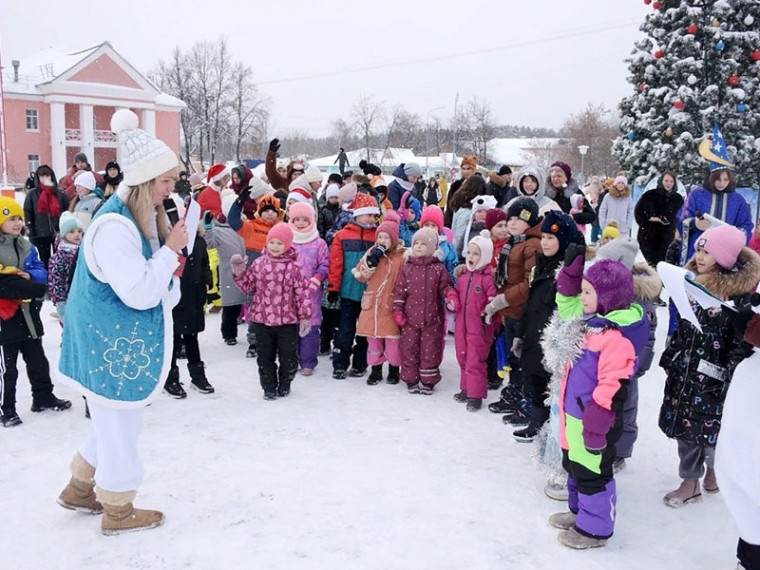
(12, 225)
(384, 240)
(588, 298)
(301, 222)
(549, 244)
(705, 261)
(620, 185)
(82, 191)
(74, 236)
(606, 240)
(366, 219)
(420, 249)
(332, 200)
(432, 225)
(500, 232)
(529, 185)
(410, 215)
(268, 216)
(479, 216)
(275, 247)
(517, 226)
(473, 256)
(235, 177)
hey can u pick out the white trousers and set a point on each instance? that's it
(111, 447)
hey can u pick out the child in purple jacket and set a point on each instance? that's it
(475, 287)
(280, 309)
(314, 259)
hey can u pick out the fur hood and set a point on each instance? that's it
(740, 280)
(494, 177)
(647, 284)
(570, 188)
(615, 192)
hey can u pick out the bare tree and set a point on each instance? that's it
(367, 113)
(407, 130)
(342, 132)
(247, 105)
(477, 124)
(596, 127)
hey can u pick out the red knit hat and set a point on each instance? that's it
(494, 216)
(282, 232)
(216, 173)
(364, 204)
(390, 226)
(432, 214)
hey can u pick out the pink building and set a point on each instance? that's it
(59, 102)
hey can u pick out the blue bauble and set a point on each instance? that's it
(741, 108)
(720, 46)
(631, 135)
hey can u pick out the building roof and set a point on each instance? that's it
(383, 157)
(518, 152)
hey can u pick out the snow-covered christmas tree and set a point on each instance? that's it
(698, 64)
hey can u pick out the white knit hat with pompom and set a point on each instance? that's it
(142, 156)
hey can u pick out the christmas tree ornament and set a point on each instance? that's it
(715, 23)
(692, 29)
(642, 86)
(741, 108)
(647, 2)
(749, 20)
(755, 55)
(678, 104)
(657, 5)
(720, 46)
(631, 135)
(669, 132)
(733, 80)
(692, 79)
(658, 54)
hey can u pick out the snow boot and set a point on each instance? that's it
(426, 389)
(51, 403)
(501, 407)
(574, 539)
(173, 386)
(357, 372)
(413, 388)
(461, 396)
(393, 375)
(556, 491)
(710, 484)
(376, 375)
(563, 521)
(527, 434)
(198, 378)
(474, 404)
(10, 419)
(119, 515)
(251, 352)
(340, 374)
(688, 492)
(79, 494)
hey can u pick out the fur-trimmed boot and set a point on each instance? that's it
(198, 378)
(688, 492)
(119, 515)
(79, 494)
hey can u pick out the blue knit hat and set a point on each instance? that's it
(561, 226)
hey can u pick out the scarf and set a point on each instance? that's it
(502, 269)
(405, 184)
(306, 236)
(48, 202)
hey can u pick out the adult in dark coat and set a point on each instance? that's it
(656, 213)
(42, 209)
(189, 320)
(561, 185)
(500, 186)
(182, 186)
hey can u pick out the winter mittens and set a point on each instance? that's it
(571, 275)
(238, 265)
(597, 422)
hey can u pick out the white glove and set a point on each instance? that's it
(497, 304)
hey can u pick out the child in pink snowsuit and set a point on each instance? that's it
(421, 288)
(475, 287)
(314, 259)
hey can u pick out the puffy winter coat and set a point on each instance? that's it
(344, 218)
(88, 205)
(278, 288)
(731, 207)
(41, 225)
(17, 251)
(395, 190)
(348, 248)
(254, 232)
(421, 288)
(376, 319)
(617, 206)
(227, 242)
(522, 259)
(657, 203)
(537, 311)
(327, 216)
(475, 290)
(188, 314)
(700, 365)
(562, 198)
(314, 259)
(61, 271)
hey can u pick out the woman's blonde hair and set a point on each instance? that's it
(140, 203)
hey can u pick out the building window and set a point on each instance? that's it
(33, 162)
(32, 120)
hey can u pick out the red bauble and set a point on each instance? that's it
(657, 5)
(647, 2)
(658, 54)
(733, 81)
(692, 29)
(642, 86)
(755, 55)
(678, 104)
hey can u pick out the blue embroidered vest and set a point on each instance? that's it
(114, 351)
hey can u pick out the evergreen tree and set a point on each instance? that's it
(698, 64)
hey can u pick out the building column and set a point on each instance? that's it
(149, 121)
(87, 129)
(58, 138)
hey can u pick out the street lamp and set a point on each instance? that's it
(427, 139)
(583, 149)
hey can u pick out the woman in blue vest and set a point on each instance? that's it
(118, 327)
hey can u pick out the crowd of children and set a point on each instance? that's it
(347, 276)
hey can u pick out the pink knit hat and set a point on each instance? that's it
(390, 226)
(432, 214)
(282, 232)
(724, 243)
(301, 210)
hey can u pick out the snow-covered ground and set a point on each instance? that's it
(337, 475)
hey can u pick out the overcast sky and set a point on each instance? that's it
(534, 61)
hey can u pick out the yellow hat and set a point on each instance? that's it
(611, 231)
(9, 208)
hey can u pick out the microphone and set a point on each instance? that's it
(171, 212)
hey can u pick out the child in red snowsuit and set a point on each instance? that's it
(421, 288)
(472, 335)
